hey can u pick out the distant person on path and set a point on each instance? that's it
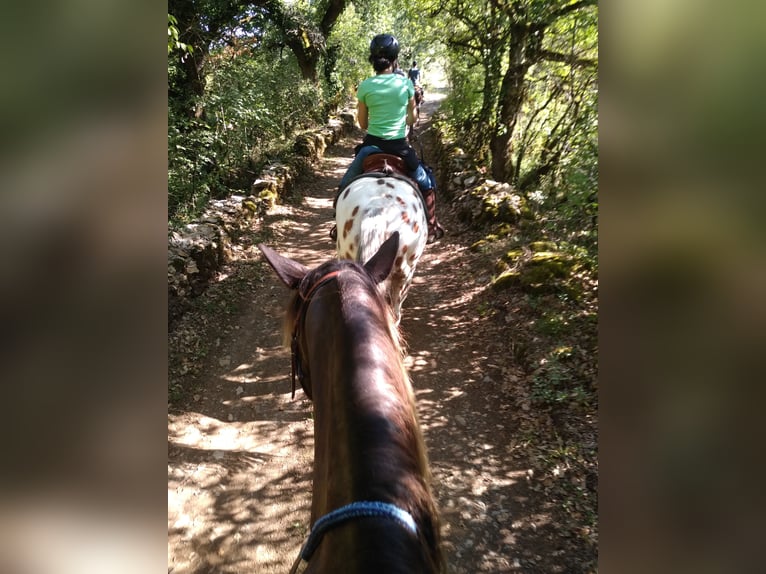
(414, 74)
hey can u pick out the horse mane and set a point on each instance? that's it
(420, 501)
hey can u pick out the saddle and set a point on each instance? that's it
(384, 163)
(381, 163)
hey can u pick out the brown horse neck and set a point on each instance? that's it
(367, 440)
(365, 421)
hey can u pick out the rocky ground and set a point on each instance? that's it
(506, 391)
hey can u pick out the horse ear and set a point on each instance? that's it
(289, 271)
(379, 266)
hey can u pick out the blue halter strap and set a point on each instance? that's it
(351, 511)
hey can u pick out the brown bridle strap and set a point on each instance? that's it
(324, 279)
(298, 318)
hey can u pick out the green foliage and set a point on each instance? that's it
(193, 176)
(259, 100)
(418, 35)
(253, 105)
(522, 75)
(465, 98)
(255, 100)
(557, 382)
(174, 42)
(241, 99)
(551, 133)
(348, 45)
(567, 198)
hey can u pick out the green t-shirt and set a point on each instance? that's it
(386, 97)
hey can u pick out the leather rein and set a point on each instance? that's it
(296, 369)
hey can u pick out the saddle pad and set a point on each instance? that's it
(384, 163)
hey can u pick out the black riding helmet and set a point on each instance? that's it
(384, 46)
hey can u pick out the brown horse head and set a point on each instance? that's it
(304, 281)
(372, 507)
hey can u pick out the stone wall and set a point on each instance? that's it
(198, 250)
(477, 201)
(497, 208)
(455, 171)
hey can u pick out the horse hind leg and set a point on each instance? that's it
(435, 230)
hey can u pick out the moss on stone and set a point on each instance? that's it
(250, 206)
(525, 212)
(269, 197)
(543, 246)
(557, 264)
(513, 255)
(501, 266)
(506, 280)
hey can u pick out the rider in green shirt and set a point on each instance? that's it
(385, 107)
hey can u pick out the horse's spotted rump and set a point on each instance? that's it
(347, 227)
(367, 215)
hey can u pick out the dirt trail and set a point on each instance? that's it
(241, 451)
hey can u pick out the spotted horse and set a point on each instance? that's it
(370, 209)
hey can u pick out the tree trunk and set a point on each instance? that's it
(307, 58)
(192, 66)
(485, 121)
(305, 41)
(510, 101)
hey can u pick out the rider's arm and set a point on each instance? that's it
(362, 115)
